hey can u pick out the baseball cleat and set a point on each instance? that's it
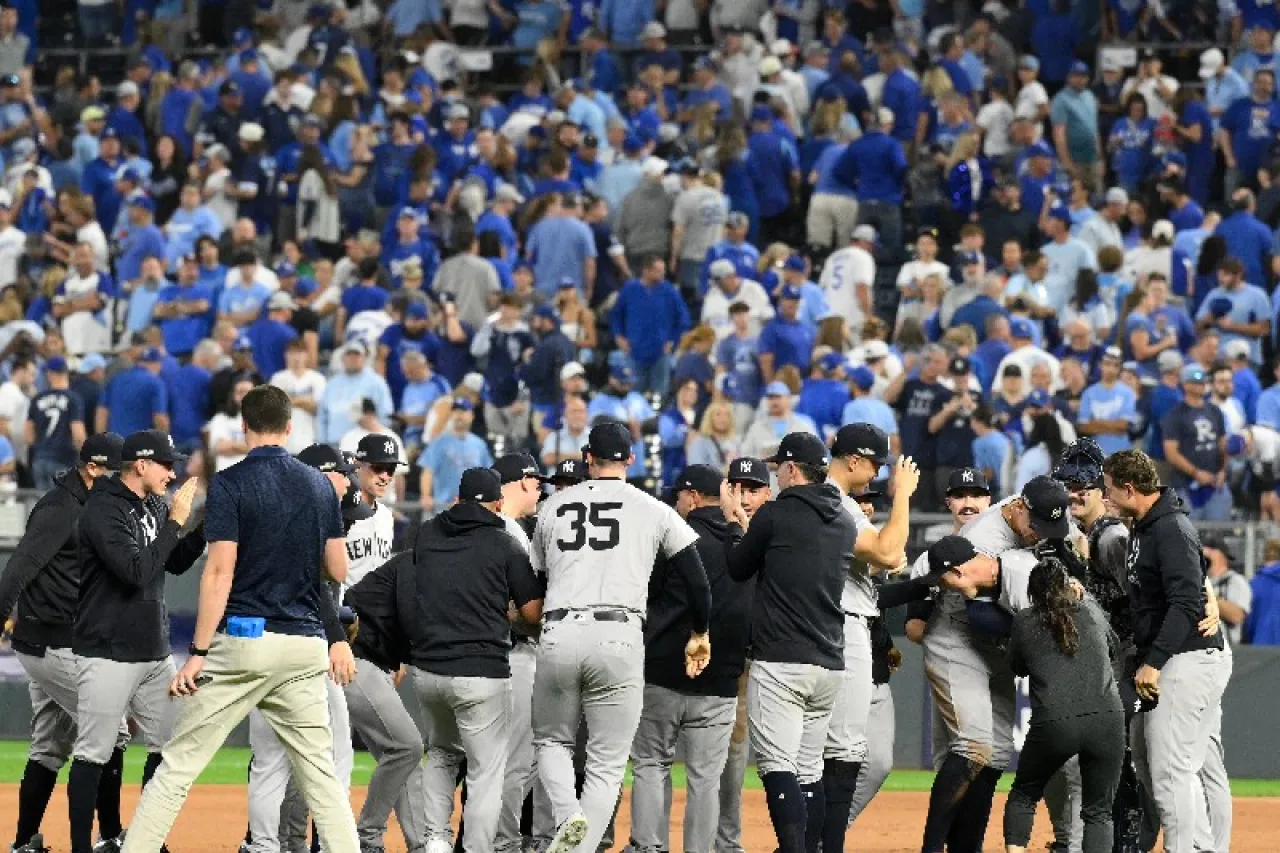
(35, 844)
(440, 845)
(109, 845)
(569, 834)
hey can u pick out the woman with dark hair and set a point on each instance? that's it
(676, 429)
(733, 164)
(168, 174)
(1089, 304)
(1063, 643)
(1204, 275)
(1044, 450)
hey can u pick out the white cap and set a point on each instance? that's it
(572, 369)
(473, 382)
(127, 88)
(721, 268)
(653, 30)
(875, 349)
(781, 48)
(654, 166)
(884, 116)
(556, 117)
(218, 150)
(769, 66)
(1117, 195)
(251, 132)
(1211, 62)
(280, 300)
(1112, 63)
(458, 111)
(1236, 349)
(1163, 228)
(508, 192)
(865, 233)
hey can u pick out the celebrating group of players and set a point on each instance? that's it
(551, 639)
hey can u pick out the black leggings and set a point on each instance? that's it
(1098, 739)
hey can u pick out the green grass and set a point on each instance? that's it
(230, 767)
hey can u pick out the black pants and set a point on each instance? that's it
(1099, 740)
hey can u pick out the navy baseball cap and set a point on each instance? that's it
(1047, 501)
(286, 269)
(378, 449)
(609, 441)
(789, 292)
(152, 355)
(57, 364)
(104, 448)
(514, 467)
(803, 447)
(1060, 212)
(863, 377)
(1078, 67)
(568, 472)
(623, 373)
(865, 440)
(1038, 399)
(795, 263)
(151, 444)
(967, 259)
(702, 479)
(325, 458)
(948, 553)
(749, 470)
(481, 485)
(960, 366)
(967, 480)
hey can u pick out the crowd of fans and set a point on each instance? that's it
(717, 222)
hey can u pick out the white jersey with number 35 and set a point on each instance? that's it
(597, 541)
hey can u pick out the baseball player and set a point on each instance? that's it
(801, 545)
(858, 451)
(597, 543)
(521, 488)
(275, 531)
(702, 708)
(43, 579)
(1181, 667)
(129, 540)
(453, 607)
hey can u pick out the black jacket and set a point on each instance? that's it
(43, 575)
(670, 617)
(126, 547)
(453, 604)
(801, 545)
(1166, 580)
(380, 639)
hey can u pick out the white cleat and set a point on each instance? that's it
(569, 834)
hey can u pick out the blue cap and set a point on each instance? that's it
(57, 364)
(1220, 306)
(545, 311)
(1040, 150)
(789, 292)
(704, 63)
(1175, 158)
(794, 263)
(632, 144)
(143, 201)
(242, 37)
(416, 311)
(1235, 445)
(540, 132)
(522, 264)
(761, 113)
(567, 283)
(91, 362)
(464, 404)
(110, 133)
(966, 259)
(777, 389)
(130, 175)
(1193, 373)
(831, 361)
(862, 377)
(305, 287)
(623, 373)
(1078, 67)
(242, 343)
(284, 269)
(1021, 327)
(152, 355)
(1038, 399)
(248, 55)
(1062, 212)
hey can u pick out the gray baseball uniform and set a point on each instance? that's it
(53, 684)
(596, 542)
(729, 832)
(521, 769)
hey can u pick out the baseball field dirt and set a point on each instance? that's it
(214, 822)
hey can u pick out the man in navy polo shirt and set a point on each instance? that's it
(135, 399)
(784, 339)
(274, 528)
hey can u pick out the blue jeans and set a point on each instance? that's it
(44, 470)
(654, 378)
(97, 22)
(887, 219)
(1217, 508)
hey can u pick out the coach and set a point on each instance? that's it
(1185, 670)
(129, 540)
(275, 528)
(43, 578)
(702, 708)
(453, 608)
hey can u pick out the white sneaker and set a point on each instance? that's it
(439, 845)
(569, 834)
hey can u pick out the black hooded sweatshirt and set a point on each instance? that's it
(380, 640)
(452, 604)
(1166, 584)
(670, 617)
(127, 544)
(801, 545)
(43, 575)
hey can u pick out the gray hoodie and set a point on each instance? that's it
(644, 222)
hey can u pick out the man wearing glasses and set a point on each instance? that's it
(369, 540)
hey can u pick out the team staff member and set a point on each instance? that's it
(1186, 671)
(701, 708)
(453, 608)
(129, 540)
(43, 578)
(750, 478)
(801, 545)
(597, 543)
(521, 488)
(275, 530)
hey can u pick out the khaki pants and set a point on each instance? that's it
(831, 220)
(282, 676)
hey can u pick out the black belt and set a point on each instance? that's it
(598, 615)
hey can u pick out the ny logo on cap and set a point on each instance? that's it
(389, 447)
(567, 466)
(745, 466)
(169, 439)
(966, 476)
(1056, 514)
(866, 451)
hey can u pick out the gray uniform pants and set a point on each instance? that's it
(847, 734)
(466, 718)
(973, 689)
(1170, 741)
(520, 760)
(729, 832)
(591, 669)
(392, 737)
(106, 690)
(879, 761)
(789, 710)
(52, 682)
(707, 725)
(1213, 833)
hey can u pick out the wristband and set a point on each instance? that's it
(196, 652)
